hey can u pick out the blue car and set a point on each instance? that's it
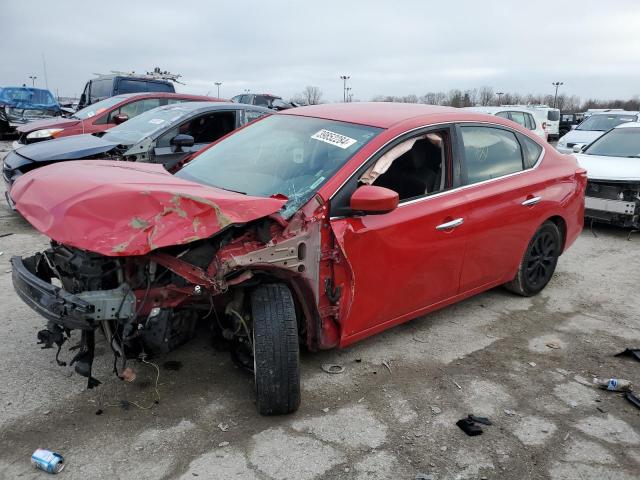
(20, 105)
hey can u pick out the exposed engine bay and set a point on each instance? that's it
(617, 203)
(149, 305)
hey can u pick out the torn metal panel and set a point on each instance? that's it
(124, 209)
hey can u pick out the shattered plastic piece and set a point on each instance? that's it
(510, 412)
(554, 345)
(128, 375)
(325, 410)
(483, 420)
(630, 352)
(436, 410)
(469, 427)
(613, 384)
(223, 426)
(223, 444)
(532, 364)
(332, 368)
(632, 398)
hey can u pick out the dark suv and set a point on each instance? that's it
(106, 86)
(263, 100)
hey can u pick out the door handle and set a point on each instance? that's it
(452, 224)
(531, 201)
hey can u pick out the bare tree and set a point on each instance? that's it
(309, 96)
(486, 96)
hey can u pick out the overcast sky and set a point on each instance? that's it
(392, 48)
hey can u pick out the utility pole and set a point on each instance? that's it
(247, 90)
(499, 94)
(217, 84)
(344, 86)
(555, 97)
(33, 80)
(349, 94)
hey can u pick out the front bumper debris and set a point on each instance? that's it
(80, 311)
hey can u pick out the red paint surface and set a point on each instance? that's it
(122, 209)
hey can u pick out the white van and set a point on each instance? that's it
(551, 118)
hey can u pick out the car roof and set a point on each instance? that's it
(374, 114)
(616, 112)
(197, 107)
(629, 125)
(502, 108)
(204, 98)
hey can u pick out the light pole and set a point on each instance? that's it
(344, 86)
(246, 90)
(499, 94)
(555, 97)
(349, 94)
(33, 80)
(217, 84)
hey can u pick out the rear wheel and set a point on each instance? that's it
(539, 261)
(275, 349)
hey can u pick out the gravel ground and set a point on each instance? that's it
(488, 355)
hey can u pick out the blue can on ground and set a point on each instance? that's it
(50, 462)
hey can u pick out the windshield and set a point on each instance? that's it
(281, 154)
(619, 142)
(97, 108)
(26, 97)
(143, 125)
(604, 123)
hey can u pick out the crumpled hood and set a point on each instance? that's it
(610, 168)
(55, 122)
(122, 209)
(581, 136)
(66, 148)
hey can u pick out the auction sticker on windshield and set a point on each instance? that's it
(334, 139)
(156, 121)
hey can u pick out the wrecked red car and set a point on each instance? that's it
(317, 227)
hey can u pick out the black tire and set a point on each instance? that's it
(276, 349)
(539, 261)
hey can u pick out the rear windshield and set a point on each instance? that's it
(553, 115)
(604, 123)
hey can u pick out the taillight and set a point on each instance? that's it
(544, 125)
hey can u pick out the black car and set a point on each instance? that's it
(263, 100)
(568, 120)
(165, 135)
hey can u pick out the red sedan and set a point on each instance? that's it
(100, 116)
(318, 227)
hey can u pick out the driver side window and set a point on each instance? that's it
(204, 128)
(413, 168)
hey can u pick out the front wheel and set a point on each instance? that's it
(539, 261)
(275, 349)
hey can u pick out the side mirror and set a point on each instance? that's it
(578, 148)
(181, 141)
(371, 199)
(120, 118)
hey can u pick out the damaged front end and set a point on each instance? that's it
(147, 305)
(613, 202)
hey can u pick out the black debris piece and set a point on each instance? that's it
(632, 398)
(172, 365)
(482, 420)
(469, 427)
(630, 352)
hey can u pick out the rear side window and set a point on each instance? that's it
(132, 86)
(553, 115)
(101, 88)
(530, 151)
(518, 117)
(490, 153)
(261, 101)
(503, 115)
(251, 115)
(160, 87)
(530, 122)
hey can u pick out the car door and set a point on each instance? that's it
(409, 259)
(204, 128)
(502, 196)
